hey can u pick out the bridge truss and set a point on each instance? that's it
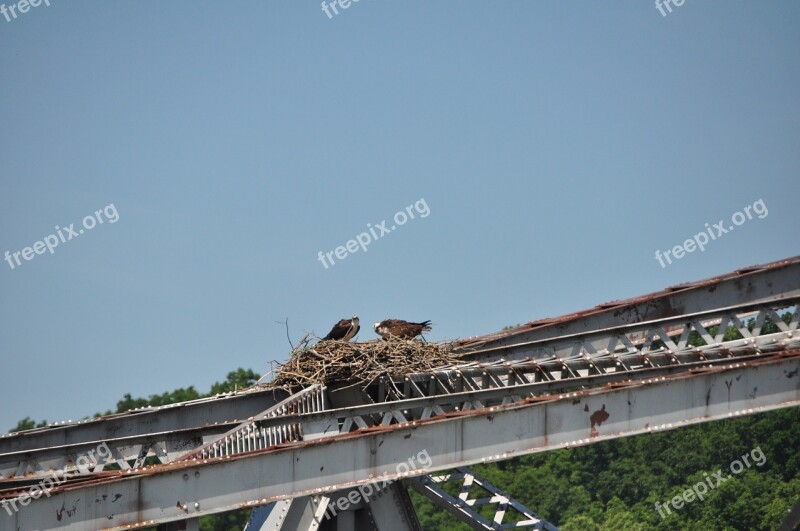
(341, 459)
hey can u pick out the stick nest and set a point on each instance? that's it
(351, 364)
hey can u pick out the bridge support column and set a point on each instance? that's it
(192, 524)
(394, 511)
(304, 513)
(388, 509)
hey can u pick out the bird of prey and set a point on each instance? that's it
(401, 329)
(344, 330)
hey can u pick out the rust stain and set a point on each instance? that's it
(597, 418)
(70, 512)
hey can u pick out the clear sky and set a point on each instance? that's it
(555, 146)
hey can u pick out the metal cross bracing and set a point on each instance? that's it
(452, 391)
(572, 360)
(670, 334)
(632, 357)
(751, 284)
(507, 512)
(389, 510)
(422, 396)
(162, 433)
(251, 436)
(379, 512)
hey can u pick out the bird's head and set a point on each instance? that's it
(375, 326)
(355, 320)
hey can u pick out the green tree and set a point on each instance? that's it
(28, 424)
(238, 379)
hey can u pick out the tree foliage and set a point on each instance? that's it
(28, 424)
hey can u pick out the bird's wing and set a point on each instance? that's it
(339, 330)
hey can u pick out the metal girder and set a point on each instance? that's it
(191, 489)
(792, 521)
(670, 334)
(569, 359)
(298, 514)
(192, 524)
(662, 346)
(752, 285)
(303, 416)
(259, 515)
(250, 436)
(392, 511)
(133, 451)
(496, 390)
(125, 452)
(388, 508)
(226, 410)
(474, 493)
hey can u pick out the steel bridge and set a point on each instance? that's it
(341, 459)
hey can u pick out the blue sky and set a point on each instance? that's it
(557, 145)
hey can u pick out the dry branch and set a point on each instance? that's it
(339, 362)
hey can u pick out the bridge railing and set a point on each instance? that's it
(251, 435)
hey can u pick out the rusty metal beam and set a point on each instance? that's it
(189, 489)
(227, 408)
(508, 512)
(761, 283)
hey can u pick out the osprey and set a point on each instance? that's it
(401, 329)
(344, 329)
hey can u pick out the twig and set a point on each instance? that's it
(286, 322)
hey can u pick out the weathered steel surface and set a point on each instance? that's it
(233, 407)
(775, 280)
(394, 512)
(180, 490)
(508, 513)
